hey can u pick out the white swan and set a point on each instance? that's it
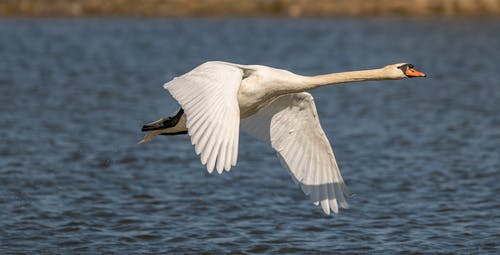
(217, 98)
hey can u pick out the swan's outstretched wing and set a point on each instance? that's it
(209, 96)
(290, 123)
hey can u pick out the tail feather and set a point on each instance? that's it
(149, 136)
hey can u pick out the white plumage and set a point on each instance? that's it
(209, 97)
(273, 107)
(290, 123)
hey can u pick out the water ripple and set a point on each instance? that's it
(421, 155)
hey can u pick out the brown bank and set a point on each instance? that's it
(179, 8)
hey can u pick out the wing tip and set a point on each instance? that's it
(325, 206)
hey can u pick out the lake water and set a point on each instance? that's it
(421, 155)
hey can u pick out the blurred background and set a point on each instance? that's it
(295, 8)
(79, 78)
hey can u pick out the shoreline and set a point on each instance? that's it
(249, 8)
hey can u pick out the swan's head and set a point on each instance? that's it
(403, 70)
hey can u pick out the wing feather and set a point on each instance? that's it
(209, 96)
(222, 151)
(290, 124)
(234, 155)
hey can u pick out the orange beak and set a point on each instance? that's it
(410, 72)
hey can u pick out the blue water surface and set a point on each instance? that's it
(421, 155)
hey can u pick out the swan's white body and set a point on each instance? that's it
(218, 98)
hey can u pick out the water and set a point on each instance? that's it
(422, 155)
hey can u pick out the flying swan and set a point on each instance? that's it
(217, 98)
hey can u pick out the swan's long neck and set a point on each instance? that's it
(293, 83)
(311, 82)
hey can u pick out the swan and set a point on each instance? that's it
(217, 98)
